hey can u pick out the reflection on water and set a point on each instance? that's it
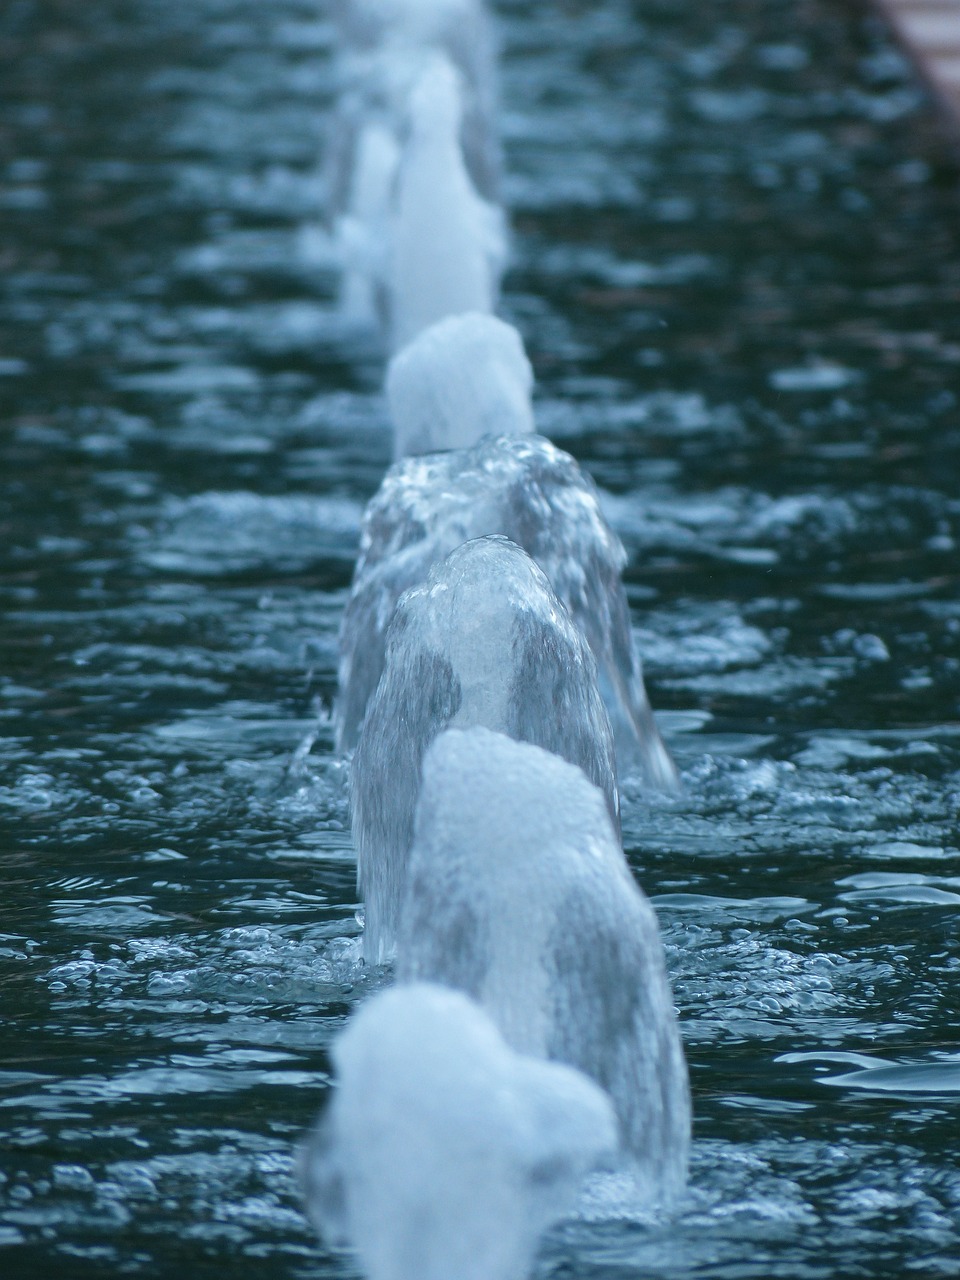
(736, 266)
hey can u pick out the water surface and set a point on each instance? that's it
(736, 263)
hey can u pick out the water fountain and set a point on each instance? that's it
(443, 1152)
(518, 893)
(457, 382)
(483, 641)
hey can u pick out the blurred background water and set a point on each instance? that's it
(736, 264)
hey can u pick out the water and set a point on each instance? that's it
(444, 1152)
(522, 668)
(516, 869)
(447, 243)
(736, 268)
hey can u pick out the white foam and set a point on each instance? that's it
(443, 1153)
(363, 231)
(384, 48)
(447, 244)
(519, 894)
(463, 378)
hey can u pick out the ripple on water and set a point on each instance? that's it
(774, 1201)
(224, 533)
(260, 965)
(936, 1078)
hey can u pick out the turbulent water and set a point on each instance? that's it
(736, 264)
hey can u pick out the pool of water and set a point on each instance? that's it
(736, 264)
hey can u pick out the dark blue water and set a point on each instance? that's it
(736, 264)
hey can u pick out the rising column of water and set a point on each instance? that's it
(548, 931)
(460, 394)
